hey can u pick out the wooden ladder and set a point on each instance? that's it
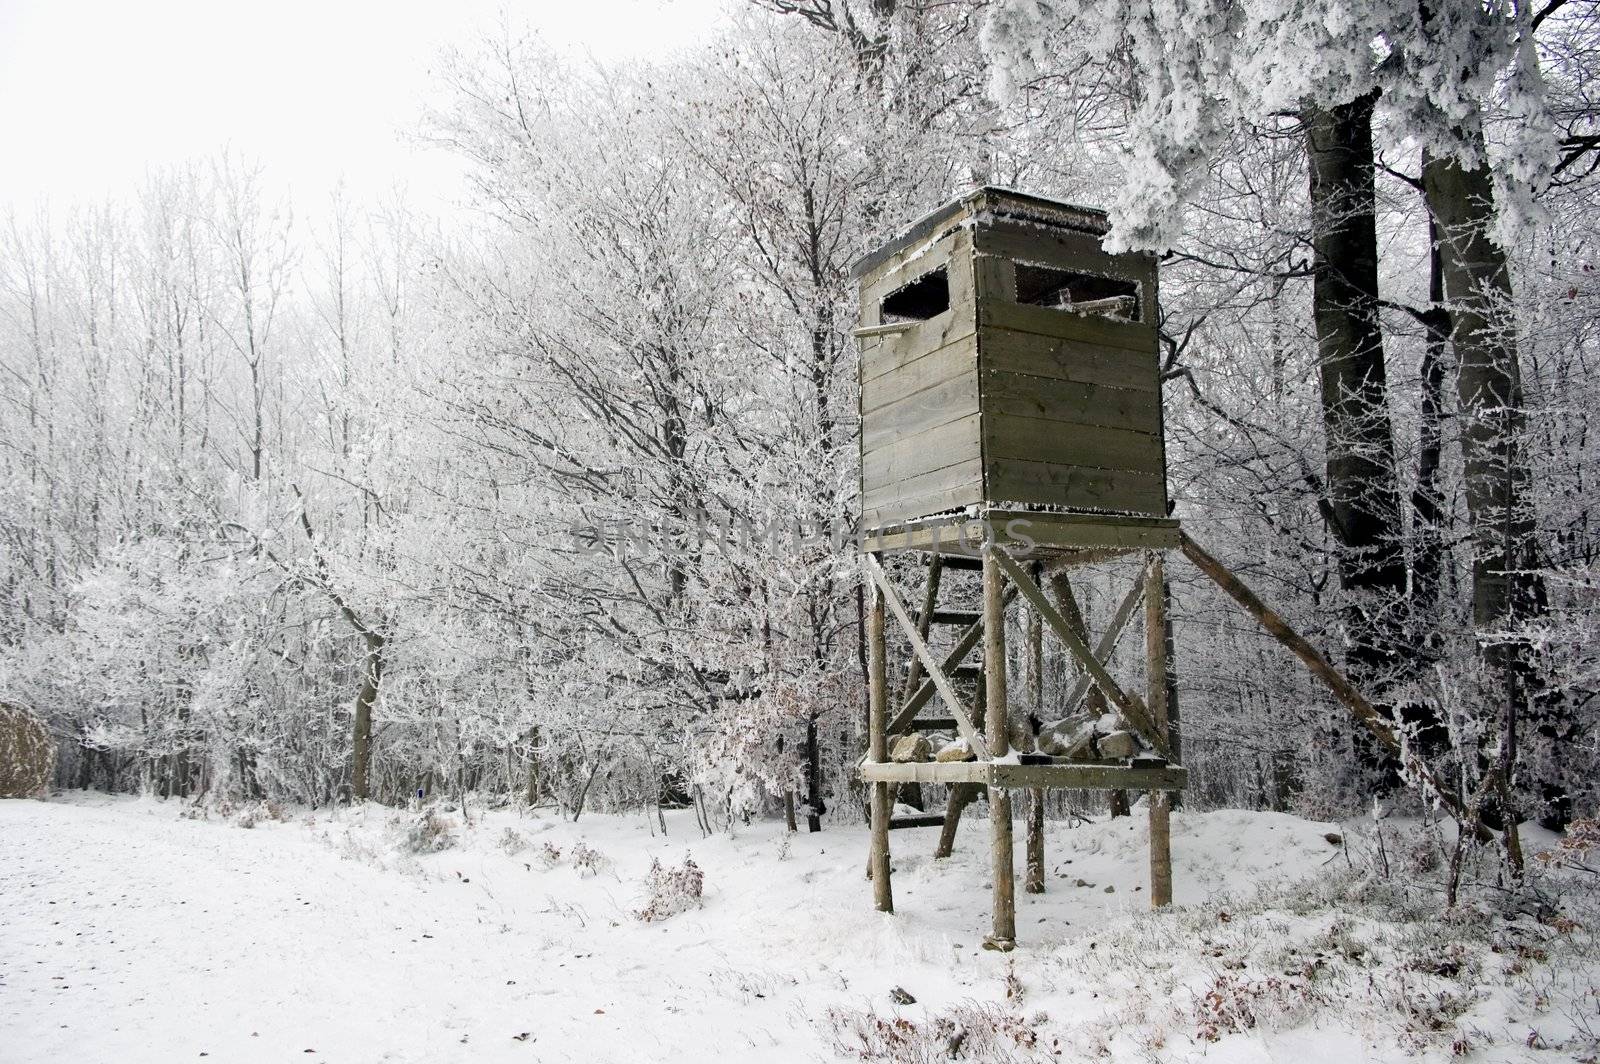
(916, 698)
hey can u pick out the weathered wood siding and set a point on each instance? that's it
(997, 402)
(1071, 409)
(921, 448)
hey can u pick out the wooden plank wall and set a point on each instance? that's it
(920, 426)
(1071, 403)
(1001, 402)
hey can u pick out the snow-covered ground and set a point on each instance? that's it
(130, 933)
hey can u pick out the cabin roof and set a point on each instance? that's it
(989, 199)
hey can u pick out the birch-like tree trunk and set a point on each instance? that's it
(1505, 594)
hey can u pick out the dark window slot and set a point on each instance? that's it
(1044, 286)
(926, 297)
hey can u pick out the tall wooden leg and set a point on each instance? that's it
(1155, 649)
(1033, 879)
(1004, 935)
(961, 796)
(1160, 849)
(1033, 882)
(878, 748)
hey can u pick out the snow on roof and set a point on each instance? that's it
(988, 201)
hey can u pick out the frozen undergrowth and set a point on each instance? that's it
(447, 933)
(1345, 964)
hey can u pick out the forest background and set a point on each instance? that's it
(327, 508)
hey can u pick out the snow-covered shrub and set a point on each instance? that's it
(511, 842)
(429, 832)
(1235, 1002)
(670, 891)
(1577, 849)
(252, 813)
(587, 861)
(355, 846)
(549, 854)
(986, 1032)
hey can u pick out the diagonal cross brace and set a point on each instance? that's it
(1133, 710)
(935, 669)
(1107, 644)
(964, 643)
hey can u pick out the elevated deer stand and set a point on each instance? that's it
(1011, 421)
(1011, 424)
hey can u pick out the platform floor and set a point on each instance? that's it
(1145, 774)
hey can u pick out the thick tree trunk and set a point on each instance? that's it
(1174, 717)
(1362, 489)
(361, 750)
(1505, 594)
(814, 804)
(1427, 500)
(533, 767)
(1477, 288)
(1428, 512)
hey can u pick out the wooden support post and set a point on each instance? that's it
(1004, 935)
(878, 750)
(1160, 849)
(1155, 655)
(1033, 878)
(961, 795)
(1132, 707)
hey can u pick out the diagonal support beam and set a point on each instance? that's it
(1133, 710)
(1322, 669)
(936, 672)
(1107, 644)
(930, 602)
(964, 643)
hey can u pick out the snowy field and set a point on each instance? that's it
(131, 933)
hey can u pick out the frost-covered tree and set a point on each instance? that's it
(1441, 78)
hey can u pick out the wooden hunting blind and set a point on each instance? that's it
(1010, 427)
(1011, 430)
(1008, 361)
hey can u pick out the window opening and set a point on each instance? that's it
(926, 297)
(1083, 293)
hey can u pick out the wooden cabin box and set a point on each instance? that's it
(1018, 366)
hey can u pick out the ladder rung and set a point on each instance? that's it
(921, 820)
(964, 618)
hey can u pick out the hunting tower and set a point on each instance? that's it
(1008, 361)
(1011, 428)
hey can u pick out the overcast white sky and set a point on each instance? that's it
(93, 92)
